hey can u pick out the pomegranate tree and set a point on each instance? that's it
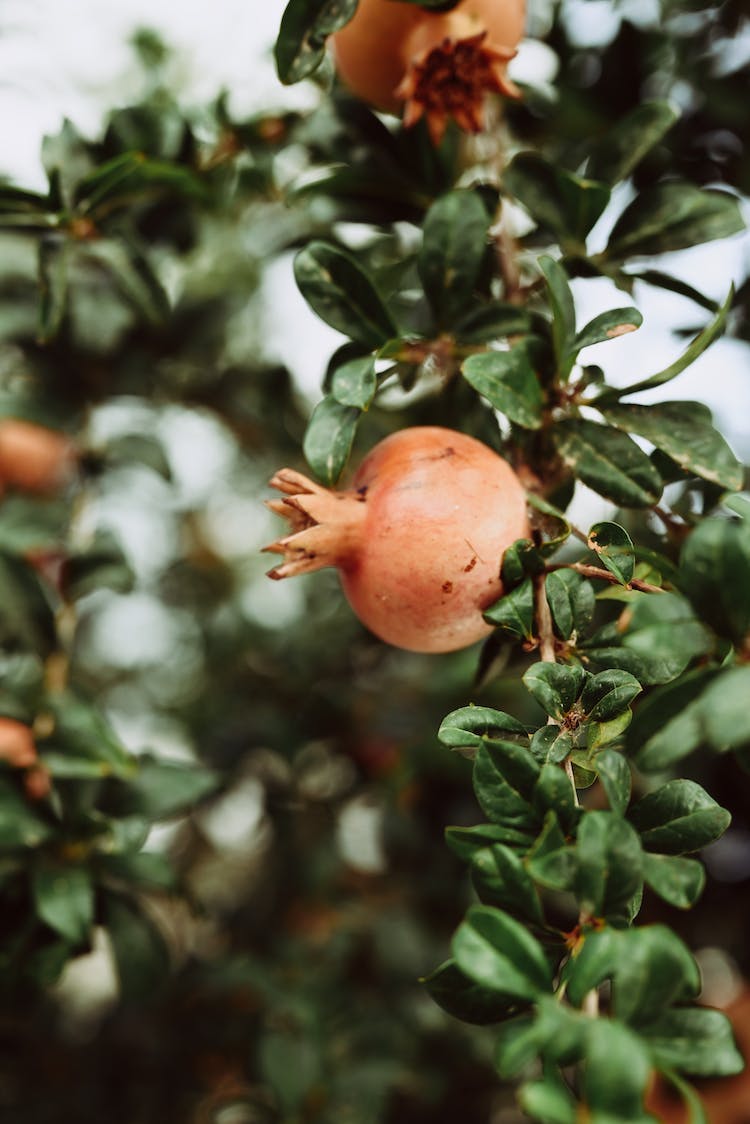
(417, 539)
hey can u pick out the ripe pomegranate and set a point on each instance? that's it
(418, 539)
(17, 744)
(33, 458)
(398, 56)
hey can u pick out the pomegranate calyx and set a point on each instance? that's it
(452, 79)
(325, 525)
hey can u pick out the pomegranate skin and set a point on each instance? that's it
(400, 57)
(34, 459)
(419, 538)
(17, 746)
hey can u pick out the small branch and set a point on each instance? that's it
(604, 575)
(505, 252)
(544, 621)
(590, 1005)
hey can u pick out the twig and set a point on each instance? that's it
(604, 575)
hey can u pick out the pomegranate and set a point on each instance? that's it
(397, 56)
(17, 744)
(418, 539)
(34, 458)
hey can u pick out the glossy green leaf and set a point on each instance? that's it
(354, 383)
(677, 880)
(696, 347)
(470, 726)
(669, 724)
(609, 462)
(501, 879)
(678, 817)
(342, 294)
(555, 686)
(553, 792)
(625, 143)
(724, 710)
(673, 215)
(500, 953)
(599, 734)
(594, 962)
(614, 549)
(696, 1040)
(64, 899)
(504, 778)
(654, 969)
(305, 26)
(683, 431)
(466, 841)
(616, 1073)
(607, 694)
(614, 773)
(507, 380)
(520, 560)
(608, 326)
(453, 247)
(551, 745)
(663, 633)
(329, 438)
(571, 600)
(610, 863)
(563, 312)
(567, 204)
(462, 997)
(715, 574)
(514, 613)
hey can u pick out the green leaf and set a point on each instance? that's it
(161, 788)
(329, 438)
(514, 613)
(551, 745)
(494, 321)
(554, 792)
(520, 560)
(608, 326)
(504, 778)
(501, 879)
(683, 431)
(654, 969)
(466, 841)
(64, 899)
(342, 294)
(616, 1073)
(696, 347)
(20, 826)
(453, 248)
(470, 726)
(669, 723)
(609, 462)
(614, 773)
(354, 383)
(695, 1040)
(678, 817)
(133, 274)
(608, 694)
(54, 259)
(141, 955)
(563, 313)
(571, 600)
(463, 997)
(614, 548)
(715, 574)
(610, 863)
(516, 1045)
(548, 1101)
(724, 713)
(81, 732)
(664, 634)
(673, 285)
(555, 686)
(305, 26)
(592, 963)
(677, 880)
(567, 204)
(673, 216)
(102, 566)
(500, 953)
(623, 146)
(508, 381)
(599, 734)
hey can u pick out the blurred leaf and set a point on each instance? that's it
(146, 868)
(673, 285)
(715, 574)
(623, 146)
(617, 1071)
(102, 566)
(514, 613)
(609, 462)
(614, 548)
(26, 618)
(471, 725)
(498, 952)
(328, 439)
(682, 430)
(81, 732)
(54, 257)
(654, 969)
(354, 383)
(677, 880)
(548, 1100)
(494, 321)
(669, 723)
(305, 26)
(555, 686)
(724, 714)
(614, 773)
(607, 694)
(342, 294)
(516, 1045)
(695, 1040)
(141, 955)
(133, 275)
(161, 789)
(678, 817)
(673, 216)
(20, 825)
(64, 899)
(609, 863)
(453, 247)
(565, 203)
(508, 382)
(140, 449)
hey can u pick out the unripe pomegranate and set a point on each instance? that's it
(400, 57)
(17, 744)
(33, 458)
(418, 539)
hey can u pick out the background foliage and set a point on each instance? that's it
(267, 871)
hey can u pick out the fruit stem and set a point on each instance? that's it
(326, 526)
